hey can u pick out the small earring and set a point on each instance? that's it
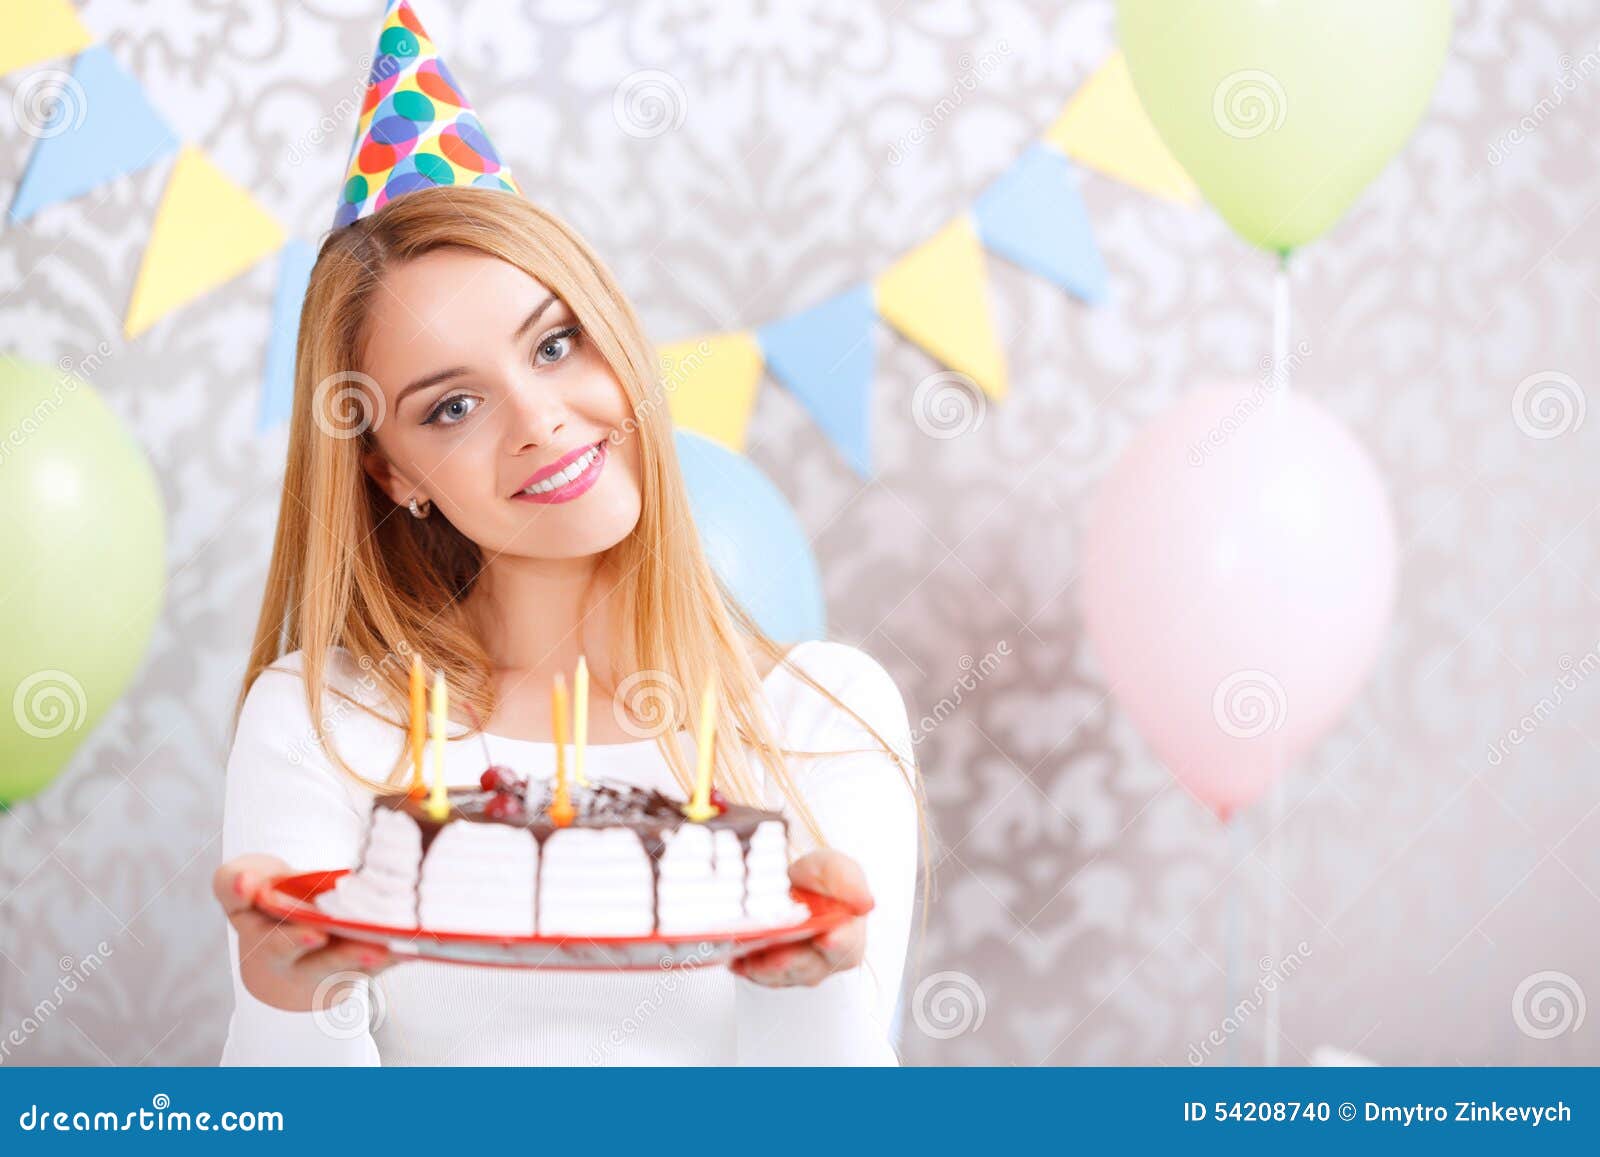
(423, 512)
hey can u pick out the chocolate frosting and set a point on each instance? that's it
(648, 813)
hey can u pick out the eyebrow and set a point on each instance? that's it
(456, 371)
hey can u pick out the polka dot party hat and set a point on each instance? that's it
(417, 128)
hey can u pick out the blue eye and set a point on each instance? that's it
(558, 346)
(448, 412)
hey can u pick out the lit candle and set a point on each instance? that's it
(419, 725)
(699, 807)
(580, 721)
(439, 801)
(561, 811)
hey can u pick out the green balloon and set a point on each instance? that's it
(1283, 110)
(81, 532)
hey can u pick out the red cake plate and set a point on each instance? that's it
(294, 898)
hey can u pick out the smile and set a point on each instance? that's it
(568, 478)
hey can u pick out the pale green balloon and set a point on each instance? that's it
(81, 535)
(1283, 110)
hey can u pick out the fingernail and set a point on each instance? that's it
(240, 884)
(309, 938)
(368, 959)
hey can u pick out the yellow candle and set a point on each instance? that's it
(580, 721)
(699, 807)
(561, 811)
(439, 801)
(419, 724)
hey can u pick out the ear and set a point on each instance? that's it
(380, 471)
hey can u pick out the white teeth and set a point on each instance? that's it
(565, 476)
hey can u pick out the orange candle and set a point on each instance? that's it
(699, 808)
(561, 811)
(439, 802)
(419, 724)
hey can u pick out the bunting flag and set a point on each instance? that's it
(416, 127)
(207, 231)
(106, 128)
(710, 384)
(1105, 127)
(1033, 216)
(938, 296)
(825, 357)
(277, 389)
(40, 30)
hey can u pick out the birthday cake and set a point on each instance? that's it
(626, 862)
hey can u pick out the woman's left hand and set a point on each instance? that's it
(808, 962)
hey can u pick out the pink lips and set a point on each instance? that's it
(569, 490)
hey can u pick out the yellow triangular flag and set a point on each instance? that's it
(207, 231)
(1106, 128)
(937, 295)
(39, 30)
(711, 383)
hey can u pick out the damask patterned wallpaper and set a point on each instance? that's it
(1440, 882)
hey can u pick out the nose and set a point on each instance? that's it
(538, 415)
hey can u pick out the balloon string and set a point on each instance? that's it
(1280, 330)
(5, 963)
(1230, 940)
(1275, 886)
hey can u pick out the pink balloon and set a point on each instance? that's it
(1238, 582)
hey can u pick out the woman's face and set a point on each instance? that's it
(488, 384)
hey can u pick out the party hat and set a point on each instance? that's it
(417, 128)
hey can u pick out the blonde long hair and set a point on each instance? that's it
(346, 572)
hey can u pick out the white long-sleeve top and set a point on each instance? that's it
(284, 798)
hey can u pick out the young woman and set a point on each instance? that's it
(453, 348)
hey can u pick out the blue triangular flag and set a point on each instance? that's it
(1033, 215)
(295, 260)
(99, 126)
(825, 357)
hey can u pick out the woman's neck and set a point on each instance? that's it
(537, 615)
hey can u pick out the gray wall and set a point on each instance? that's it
(1090, 906)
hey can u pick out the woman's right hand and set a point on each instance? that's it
(284, 964)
